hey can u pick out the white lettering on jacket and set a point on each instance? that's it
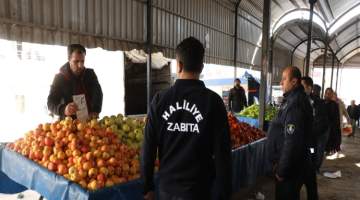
(180, 126)
(184, 106)
(183, 127)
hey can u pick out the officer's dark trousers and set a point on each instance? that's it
(310, 182)
(288, 189)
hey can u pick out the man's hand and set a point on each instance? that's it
(70, 109)
(149, 196)
(278, 178)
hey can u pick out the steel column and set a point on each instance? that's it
(332, 69)
(307, 62)
(270, 72)
(149, 51)
(324, 67)
(337, 76)
(236, 36)
(264, 60)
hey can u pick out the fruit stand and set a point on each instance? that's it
(250, 115)
(27, 163)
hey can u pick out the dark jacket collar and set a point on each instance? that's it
(294, 91)
(66, 71)
(189, 82)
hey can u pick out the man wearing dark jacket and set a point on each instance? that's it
(75, 79)
(321, 124)
(354, 115)
(288, 137)
(318, 137)
(187, 127)
(237, 97)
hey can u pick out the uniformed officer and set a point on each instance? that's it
(187, 125)
(288, 136)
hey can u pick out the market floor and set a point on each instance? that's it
(346, 187)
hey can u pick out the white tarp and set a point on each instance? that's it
(158, 61)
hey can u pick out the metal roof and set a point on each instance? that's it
(121, 24)
(343, 40)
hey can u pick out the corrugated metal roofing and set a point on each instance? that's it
(121, 25)
(110, 24)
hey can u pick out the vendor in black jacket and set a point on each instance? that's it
(75, 79)
(187, 127)
(288, 136)
(237, 97)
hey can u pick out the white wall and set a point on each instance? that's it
(25, 83)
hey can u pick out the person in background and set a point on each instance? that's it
(187, 127)
(288, 137)
(358, 119)
(75, 79)
(342, 110)
(237, 97)
(321, 125)
(319, 134)
(354, 115)
(334, 141)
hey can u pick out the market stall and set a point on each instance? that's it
(250, 115)
(19, 173)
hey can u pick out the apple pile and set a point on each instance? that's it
(242, 133)
(84, 153)
(129, 130)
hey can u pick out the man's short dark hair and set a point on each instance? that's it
(316, 89)
(237, 79)
(190, 52)
(78, 48)
(308, 81)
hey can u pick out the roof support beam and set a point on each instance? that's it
(278, 4)
(329, 8)
(295, 3)
(149, 29)
(324, 66)
(347, 43)
(237, 4)
(307, 61)
(266, 71)
(332, 69)
(337, 76)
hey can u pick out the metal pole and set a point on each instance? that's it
(332, 68)
(324, 67)
(264, 60)
(149, 51)
(236, 35)
(337, 76)
(270, 72)
(307, 62)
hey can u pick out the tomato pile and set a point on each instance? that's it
(242, 133)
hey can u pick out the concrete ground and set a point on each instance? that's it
(345, 188)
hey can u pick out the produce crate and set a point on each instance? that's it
(53, 186)
(136, 85)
